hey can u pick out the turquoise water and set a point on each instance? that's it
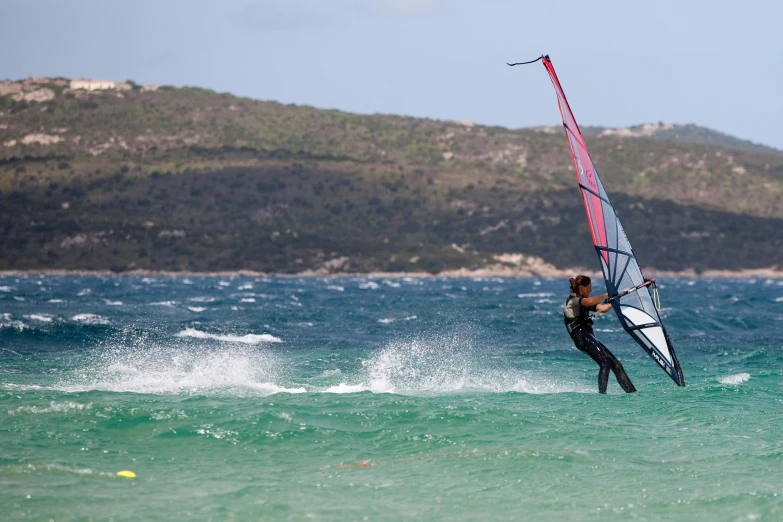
(379, 399)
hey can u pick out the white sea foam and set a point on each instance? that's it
(5, 288)
(164, 303)
(202, 299)
(735, 379)
(245, 339)
(336, 287)
(369, 285)
(41, 318)
(53, 407)
(351, 388)
(224, 283)
(388, 320)
(536, 294)
(779, 299)
(84, 291)
(112, 303)
(90, 319)
(248, 300)
(196, 308)
(246, 286)
(56, 301)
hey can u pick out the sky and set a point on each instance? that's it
(716, 63)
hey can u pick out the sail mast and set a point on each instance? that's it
(635, 309)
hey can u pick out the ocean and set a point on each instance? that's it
(285, 398)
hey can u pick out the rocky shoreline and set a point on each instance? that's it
(492, 271)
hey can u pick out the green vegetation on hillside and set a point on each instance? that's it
(193, 180)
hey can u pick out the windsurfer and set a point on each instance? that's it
(580, 328)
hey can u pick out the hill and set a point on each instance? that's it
(195, 180)
(688, 133)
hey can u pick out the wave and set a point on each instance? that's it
(53, 407)
(202, 299)
(738, 378)
(6, 321)
(41, 318)
(388, 320)
(196, 308)
(90, 319)
(246, 339)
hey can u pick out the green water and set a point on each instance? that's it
(288, 399)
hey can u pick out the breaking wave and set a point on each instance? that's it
(245, 339)
(738, 378)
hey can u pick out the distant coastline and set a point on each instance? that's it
(495, 271)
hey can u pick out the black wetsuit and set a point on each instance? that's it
(581, 331)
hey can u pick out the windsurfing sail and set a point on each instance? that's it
(629, 292)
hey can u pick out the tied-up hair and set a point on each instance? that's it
(580, 280)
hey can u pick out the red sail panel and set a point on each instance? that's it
(583, 164)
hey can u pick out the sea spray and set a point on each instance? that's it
(177, 369)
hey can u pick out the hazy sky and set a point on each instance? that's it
(713, 63)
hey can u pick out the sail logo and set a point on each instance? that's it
(591, 180)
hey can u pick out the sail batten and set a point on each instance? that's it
(635, 309)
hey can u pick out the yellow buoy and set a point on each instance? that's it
(126, 474)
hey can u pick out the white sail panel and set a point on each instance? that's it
(653, 333)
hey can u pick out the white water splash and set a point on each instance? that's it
(236, 371)
(448, 364)
(735, 379)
